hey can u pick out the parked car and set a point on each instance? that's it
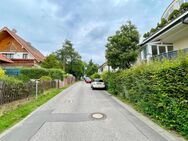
(98, 84)
(88, 80)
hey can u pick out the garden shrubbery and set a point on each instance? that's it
(37, 73)
(95, 76)
(158, 89)
(2, 72)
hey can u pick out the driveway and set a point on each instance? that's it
(81, 114)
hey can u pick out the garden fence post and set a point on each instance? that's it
(36, 82)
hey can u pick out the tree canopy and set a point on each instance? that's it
(121, 48)
(91, 68)
(70, 59)
(51, 61)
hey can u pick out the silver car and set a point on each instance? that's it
(98, 84)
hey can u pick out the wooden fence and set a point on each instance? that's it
(12, 92)
(9, 93)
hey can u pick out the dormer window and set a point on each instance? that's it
(25, 56)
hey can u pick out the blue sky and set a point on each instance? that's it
(87, 23)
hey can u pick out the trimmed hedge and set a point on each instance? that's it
(37, 73)
(158, 89)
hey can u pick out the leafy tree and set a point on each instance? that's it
(91, 68)
(51, 61)
(121, 49)
(76, 68)
(67, 54)
(71, 60)
(95, 75)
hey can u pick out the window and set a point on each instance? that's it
(154, 50)
(25, 56)
(170, 48)
(162, 49)
(9, 55)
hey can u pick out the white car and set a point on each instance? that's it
(98, 84)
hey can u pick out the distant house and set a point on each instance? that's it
(167, 41)
(105, 68)
(16, 52)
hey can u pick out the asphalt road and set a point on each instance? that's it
(67, 117)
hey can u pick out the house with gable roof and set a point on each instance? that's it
(16, 52)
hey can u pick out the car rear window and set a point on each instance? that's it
(98, 80)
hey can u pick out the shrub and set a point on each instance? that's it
(174, 15)
(95, 75)
(34, 73)
(56, 74)
(10, 80)
(2, 72)
(147, 34)
(158, 89)
(37, 73)
(184, 7)
(45, 78)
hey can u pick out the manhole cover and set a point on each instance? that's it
(98, 116)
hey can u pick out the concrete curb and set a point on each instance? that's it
(164, 133)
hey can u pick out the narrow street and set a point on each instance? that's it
(67, 117)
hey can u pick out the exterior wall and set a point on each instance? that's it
(19, 63)
(19, 55)
(11, 46)
(181, 44)
(106, 68)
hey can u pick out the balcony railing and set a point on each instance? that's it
(170, 54)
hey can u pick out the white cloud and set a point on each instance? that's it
(47, 23)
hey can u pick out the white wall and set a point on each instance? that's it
(181, 44)
(19, 55)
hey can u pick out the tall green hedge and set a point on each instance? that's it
(158, 89)
(37, 73)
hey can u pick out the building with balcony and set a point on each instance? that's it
(169, 40)
(175, 5)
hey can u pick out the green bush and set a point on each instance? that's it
(174, 15)
(184, 7)
(95, 75)
(10, 80)
(56, 74)
(158, 89)
(45, 78)
(2, 72)
(37, 73)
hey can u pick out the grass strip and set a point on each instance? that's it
(12, 117)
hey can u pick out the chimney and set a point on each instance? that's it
(29, 43)
(14, 30)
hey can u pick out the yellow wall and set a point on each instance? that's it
(181, 44)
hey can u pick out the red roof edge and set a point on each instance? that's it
(5, 59)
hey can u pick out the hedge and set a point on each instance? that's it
(37, 73)
(158, 89)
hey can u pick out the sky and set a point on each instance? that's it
(87, 23)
